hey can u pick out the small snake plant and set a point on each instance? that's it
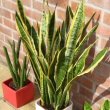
(57, 54)
(18, 72)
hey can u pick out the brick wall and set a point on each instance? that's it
(94, 87)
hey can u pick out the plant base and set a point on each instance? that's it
(19, 97)
(39, 107)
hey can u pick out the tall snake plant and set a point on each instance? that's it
(57, 54)
(18, 72)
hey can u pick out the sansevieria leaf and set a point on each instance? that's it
(79, 66)
(96, 61)
(87, 106)
(106, 105)
(73, 33)
(75, 28)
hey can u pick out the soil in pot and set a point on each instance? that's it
(13, 86)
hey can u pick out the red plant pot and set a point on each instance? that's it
(19, 97)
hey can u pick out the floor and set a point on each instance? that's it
(4, 74)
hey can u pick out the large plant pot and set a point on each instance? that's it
(19, 97)
(39, 107)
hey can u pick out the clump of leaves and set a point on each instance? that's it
(18, 72)
(57, 55)
(105, 106)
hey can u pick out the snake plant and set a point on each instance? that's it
(105, 106)
(57, 54)
(18, 72)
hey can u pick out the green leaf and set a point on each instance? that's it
(23, 73)
(60, 72)
(30, 48)
(67, 99)
(80, 48)
(34, 35)
(21, 10)
(43, 64)
(74, 31)
(96, 61)
(56, 43)
(58, 99)
(87, 106)
(15, 63)
(63, 35)
(51, 29)
(18, 48)
(86, 26)
(79, 66)
(66, 57)
(51, 71)
(51, 90)
(33, 59)
(44, 90)
(65, 92)
(44, 34)
(69, 16)
(10, 65)
(106, 105)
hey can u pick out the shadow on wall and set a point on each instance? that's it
(93, 87)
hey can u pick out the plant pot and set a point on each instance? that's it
(39, 107)
(19, 97)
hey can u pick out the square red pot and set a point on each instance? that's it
(20, 97)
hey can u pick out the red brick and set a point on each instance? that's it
(86, 82)
(106, 18)
(98, 78)
(103, 30)
(85, 92)
(15, 35)
(101, 3)
(79, 98)
(90, 11)
(8, 38)
(75, 87)
(0, 19)
(61, 14)
(2, 37)
(103, 92)
(101, 69)
(9, 5)
(9, 23)
(74, 6)
(60, 3)
(99, 98)
(33, 14)
(104, 43)
(5, 13)
(106, 84)
(93, 52)
(1, 51)
(5, 30)
(58, 23)
(38, 5)
(27, 2)
(95, 107)
(76, 105)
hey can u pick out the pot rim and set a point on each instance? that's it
(10, 79)
(38, 103)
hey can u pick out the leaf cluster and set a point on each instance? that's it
(58, 55)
